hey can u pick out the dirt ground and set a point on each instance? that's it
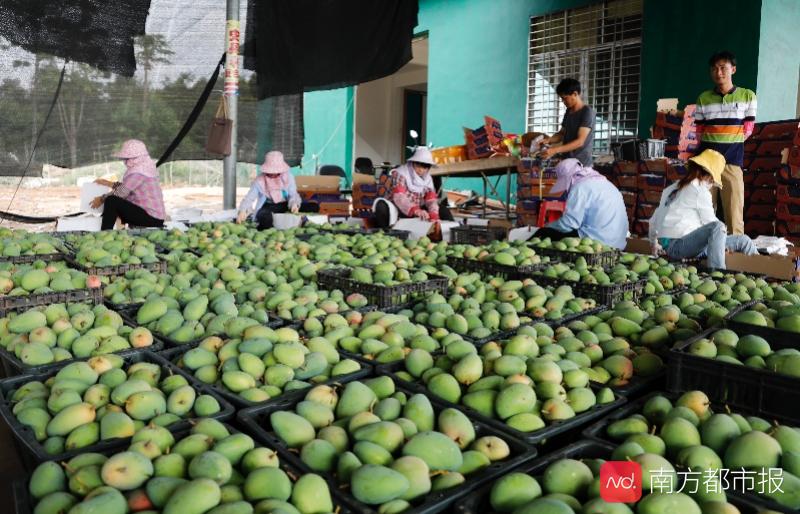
(51, 201)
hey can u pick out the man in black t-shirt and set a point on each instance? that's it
(577, 127)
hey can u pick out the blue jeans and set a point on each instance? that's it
(710, 241)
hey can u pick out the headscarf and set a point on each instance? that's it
(274, 178)
(415, 183)
(136, 158)
(570, 172)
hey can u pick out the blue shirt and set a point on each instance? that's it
(595, 209)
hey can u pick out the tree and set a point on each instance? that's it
(152, 49)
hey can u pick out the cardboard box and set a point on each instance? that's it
(317, 183)
(776, 266)
(341, 208)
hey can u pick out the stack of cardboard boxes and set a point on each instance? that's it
(788, 184)
(485, 140)
(533, 187)
(762, 161)
(650, 183)
(323, 190)
(625, 173)
(678, 128)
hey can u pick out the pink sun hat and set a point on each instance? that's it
(131, 149)
(274, 164)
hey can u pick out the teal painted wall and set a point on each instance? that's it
(679, 36)
(328, 125)
(778, 60)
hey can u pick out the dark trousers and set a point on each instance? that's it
(115, 207)
(382, 215)
(553, 234)
(264, 214)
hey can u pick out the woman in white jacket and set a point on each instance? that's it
(685, 225)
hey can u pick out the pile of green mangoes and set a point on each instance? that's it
(509, 381)
(496, 306)
(265, 363)
(779, 314)
(690, 435)
(386, 274)
(14, 243)
(135, 286)
(389, 447)
(39, 277)
(44, 335)
(105, 398)
(111, 248)
(571, 244)
(208, 470)
(194, 315)
(748, 350)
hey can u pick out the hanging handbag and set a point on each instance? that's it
(219, 135)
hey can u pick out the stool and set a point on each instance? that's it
(550, 211)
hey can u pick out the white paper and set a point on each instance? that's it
(316, 219)
(522, 233)
(171, 225)
(416, 227)
(89, 192)
(773, 245)
(190, 214)
(88, 222)
(228, 215)
(284, 221)
(447, 227)
(477, 222)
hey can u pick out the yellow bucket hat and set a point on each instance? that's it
(711, 161)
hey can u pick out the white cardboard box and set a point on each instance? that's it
(88, 222)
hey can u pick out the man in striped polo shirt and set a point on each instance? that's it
(725, 117)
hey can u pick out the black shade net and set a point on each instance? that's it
(305, 45)
(105, 100)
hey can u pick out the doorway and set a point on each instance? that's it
(388, 108)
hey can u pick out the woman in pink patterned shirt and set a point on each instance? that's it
(413, 194)
(137, 200)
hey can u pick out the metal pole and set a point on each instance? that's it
(231, 88)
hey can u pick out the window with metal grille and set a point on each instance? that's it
(600, 45)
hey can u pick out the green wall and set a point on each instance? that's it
(778, 60)
(679, 36)
(328, 129)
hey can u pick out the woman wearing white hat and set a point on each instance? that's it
(413, 194)
(138, 199)
(273, 191)
(685, 225)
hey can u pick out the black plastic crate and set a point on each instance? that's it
(539, 437)
(492, 268)
(379, 295)
(24, 302)
(477, 235)
(256, 422)
(156, 267)
(478, 501)
(13, 366)
(33, 452)
(759, 390)
(28, 259)
(604, 294)
(24, 504)
(597, 432)
(605, 259)
(399, 234)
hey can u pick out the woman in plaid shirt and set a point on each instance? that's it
(137, 200)
(413, 194)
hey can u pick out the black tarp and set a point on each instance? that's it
(306, 45)
(95, 32)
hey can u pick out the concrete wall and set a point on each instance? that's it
(679, 36)
(779, 60)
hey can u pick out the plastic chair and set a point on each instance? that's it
(550, 211)
(364, 166)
